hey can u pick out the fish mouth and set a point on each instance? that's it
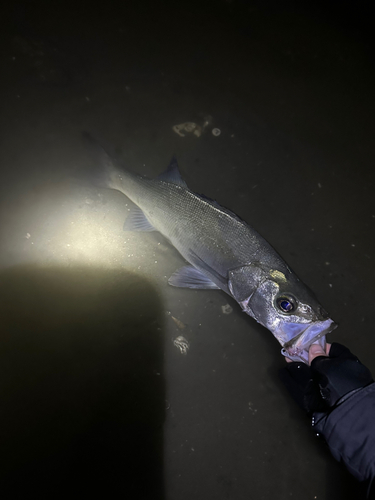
(297, 348)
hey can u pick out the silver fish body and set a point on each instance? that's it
(223, 252)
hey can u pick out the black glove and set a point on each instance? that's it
(317, 388)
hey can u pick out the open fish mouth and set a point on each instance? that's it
(297, 348)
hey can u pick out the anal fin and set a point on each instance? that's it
(137, 221)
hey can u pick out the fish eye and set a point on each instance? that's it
(286, 304)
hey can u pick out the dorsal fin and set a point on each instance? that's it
(172, 174)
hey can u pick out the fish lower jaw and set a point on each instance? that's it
(301, 353)
(296, 354)
(297, 348)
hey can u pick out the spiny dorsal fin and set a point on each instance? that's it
(172, 174)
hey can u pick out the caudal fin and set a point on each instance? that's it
(103, 168)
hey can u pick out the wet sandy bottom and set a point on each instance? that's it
(95, 393)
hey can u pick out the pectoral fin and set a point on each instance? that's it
(190, 277)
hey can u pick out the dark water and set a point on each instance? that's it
(95, 397)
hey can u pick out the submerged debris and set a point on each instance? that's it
(192, 127)
(187, 127)
(227, 309)
(181, 343)
(179, 323)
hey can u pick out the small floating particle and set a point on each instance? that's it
(28, 236)
(216, 132)
(251, 408)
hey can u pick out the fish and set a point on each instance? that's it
(222, 252)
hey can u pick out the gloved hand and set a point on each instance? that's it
(317, 388)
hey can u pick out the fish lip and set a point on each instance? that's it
(304, 339)
(297, 348)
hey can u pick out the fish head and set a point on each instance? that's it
(284, 305)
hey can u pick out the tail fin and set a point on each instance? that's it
(103, 169)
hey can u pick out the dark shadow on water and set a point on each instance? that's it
(82, 389)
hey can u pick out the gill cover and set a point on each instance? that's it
(243, 282)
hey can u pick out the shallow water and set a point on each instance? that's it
(95, 395)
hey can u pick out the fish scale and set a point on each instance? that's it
(185, 217)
